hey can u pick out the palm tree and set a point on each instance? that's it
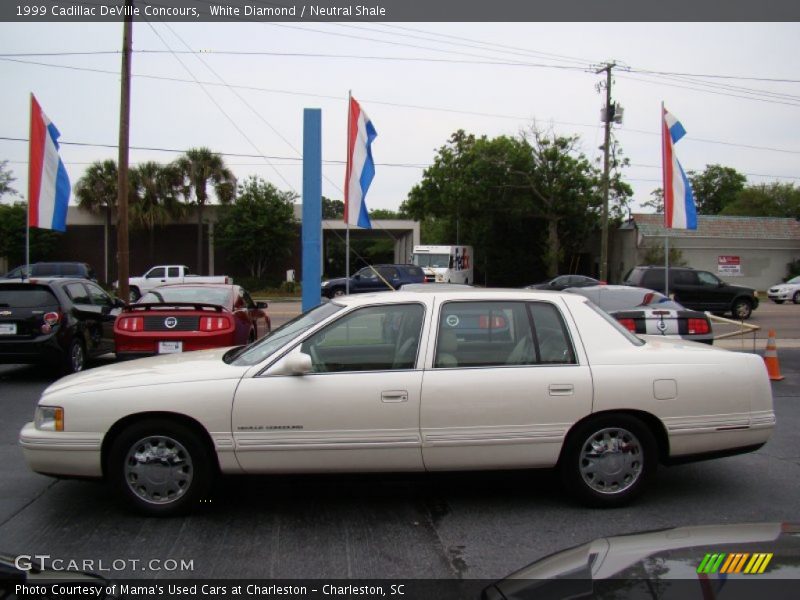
(97, 192)
(155, 191)
(199, 166)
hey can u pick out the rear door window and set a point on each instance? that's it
(78, 293)
(28, 297)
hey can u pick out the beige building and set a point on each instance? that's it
(749, 251)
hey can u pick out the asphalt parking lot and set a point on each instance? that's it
(464, 525)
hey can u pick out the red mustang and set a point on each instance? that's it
(184, 317)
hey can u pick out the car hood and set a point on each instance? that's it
(183, 367)
(335, 281)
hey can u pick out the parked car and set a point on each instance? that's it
(58, 322)
(781, 292)
(375, 278)
(181, 318)
(564, 281)
(337, 390)
(53, 269)
(697, 290)
(168, 274)
(706, 561)
(646, 312)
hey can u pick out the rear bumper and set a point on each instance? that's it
(129, 345)
(62, 453)
(43, 349)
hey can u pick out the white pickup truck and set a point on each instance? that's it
(164, 274)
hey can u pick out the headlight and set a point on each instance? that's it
(325, 283)
(49, 418)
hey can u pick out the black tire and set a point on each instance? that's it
(741, 309)
(134, 294)
(75, 358)
(618, 477)
(781, 301)
(168, 489)
(796, 298)
(251, 337)
(336, 292)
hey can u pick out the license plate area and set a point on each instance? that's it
(170, 347)
(8, 329)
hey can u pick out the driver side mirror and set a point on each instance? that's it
(356, 276)
(298, 363)
(262, 305)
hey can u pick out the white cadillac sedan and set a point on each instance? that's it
(441, 379)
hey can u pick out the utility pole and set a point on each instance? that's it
(607, 117)
(123, 252)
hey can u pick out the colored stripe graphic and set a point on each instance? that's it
(734, 563)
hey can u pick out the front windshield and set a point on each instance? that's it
(437, 261)
(258, 351)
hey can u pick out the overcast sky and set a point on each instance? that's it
(751, 125)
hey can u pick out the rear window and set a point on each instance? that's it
(206, 295)
(28, 297)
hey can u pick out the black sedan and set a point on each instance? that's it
(564, 281)
(58, 322)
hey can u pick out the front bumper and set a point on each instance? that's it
(62, 453)
(779, 295)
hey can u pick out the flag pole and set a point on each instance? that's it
(346, 203)
(27, 267)
(664, 195)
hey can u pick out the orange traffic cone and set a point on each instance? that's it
(771, 358)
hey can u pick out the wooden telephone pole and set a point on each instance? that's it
(123, 252)
(607, 117)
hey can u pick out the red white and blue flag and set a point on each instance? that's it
(48, 183)
(360, 166)
(680, 211)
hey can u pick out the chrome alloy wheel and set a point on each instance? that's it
(158, 469)
(611, 460)
(77, 357)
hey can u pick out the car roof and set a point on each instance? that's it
(228, 286)
(450, 293)
(44, 280)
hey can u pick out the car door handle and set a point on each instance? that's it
(394, 396)
(561, 389)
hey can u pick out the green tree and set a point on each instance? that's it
(199, 167)
(332, 209)
(13, 221)
(715, 188)
(155, 198)
(766, 200)
(6, 179)
(97, 192)
(258, 230)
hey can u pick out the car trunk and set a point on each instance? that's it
(22, 310)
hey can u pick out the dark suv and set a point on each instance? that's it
(59, 322)
(698, 290)
(54, 269)
(377, 278)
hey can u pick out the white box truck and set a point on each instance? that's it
(445, 264)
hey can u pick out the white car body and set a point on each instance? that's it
(169, 274)
(781, 292)
(437, 410)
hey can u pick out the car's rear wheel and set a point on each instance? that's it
(160, 468)
(608, 460)
(75, 359)
(741, 309)
(796, 298)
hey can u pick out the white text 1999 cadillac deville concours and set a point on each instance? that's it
(431, 380)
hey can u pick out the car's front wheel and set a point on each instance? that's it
(796, 298)
(160, 468)
(742, 309)
(608, 460)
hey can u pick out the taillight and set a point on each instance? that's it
(131, 323)
(51, 319)
(628, 324)
(698, 326)
(214, 323)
